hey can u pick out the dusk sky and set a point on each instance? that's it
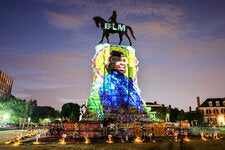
(47, 47)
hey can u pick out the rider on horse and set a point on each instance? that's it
(113, 17)
(113, 27)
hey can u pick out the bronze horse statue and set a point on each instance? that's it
(113, 27)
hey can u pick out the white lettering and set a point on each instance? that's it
(107, 26)
(121, 27)
(113, 27)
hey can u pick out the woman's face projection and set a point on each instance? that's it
(119, 63)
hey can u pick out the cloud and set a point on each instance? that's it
(177, 60)
(64, 100)
(47, 76)
(48, 71)
(130, 11)
(211, 46)
(58, 96)
(200, 49)
(64, 21)
(71, 100)
(22, 95)
(156, 30)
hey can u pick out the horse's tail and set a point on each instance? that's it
(131, 32)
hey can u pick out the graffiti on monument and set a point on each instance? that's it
(115, 90)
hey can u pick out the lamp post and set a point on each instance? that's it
(28, 120)
(6, 117)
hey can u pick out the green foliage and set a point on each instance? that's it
(41, 113)
(161, 113)
(73, 117)
(181, 115)
(15, 108)
(194, 116)
(174, 114)
(30, 107)
(71, 111)
(199, 117)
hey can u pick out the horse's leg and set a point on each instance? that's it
(121, 38)
(128, 38)
(102, 37)
(107, 36)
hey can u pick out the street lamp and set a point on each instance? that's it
(28, 121)
(6, 117)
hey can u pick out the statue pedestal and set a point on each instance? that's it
(115, 93)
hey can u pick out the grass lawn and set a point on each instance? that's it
(193, 145)
(7, 134)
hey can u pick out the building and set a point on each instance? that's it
(213, 110)
(154, 107)
(6, 83)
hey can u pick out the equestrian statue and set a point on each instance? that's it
(111, 26)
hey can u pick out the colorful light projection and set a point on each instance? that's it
(114, 89)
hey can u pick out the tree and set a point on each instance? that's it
(73, 117)
(161, 113)
(44, 112)
(30, 107)
(181, 115)
(174, 114)
(71, 111)
(199, 117)
(194, 116)
(14, 108)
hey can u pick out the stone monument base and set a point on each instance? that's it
(115, 94)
